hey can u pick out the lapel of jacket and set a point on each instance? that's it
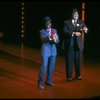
(46, 32)
(71, 24)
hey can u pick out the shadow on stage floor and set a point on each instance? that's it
(19, 69)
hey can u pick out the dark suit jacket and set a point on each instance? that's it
(68, 30)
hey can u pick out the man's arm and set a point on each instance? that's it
(84, 27)
(66, 29)
(55, 37)
(43, 37)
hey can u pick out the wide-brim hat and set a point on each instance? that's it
(46, 19)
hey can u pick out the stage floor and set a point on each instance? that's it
(19, 69)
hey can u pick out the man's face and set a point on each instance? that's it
(48, 24)
(75, 15)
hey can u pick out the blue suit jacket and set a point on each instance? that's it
(68, 30)
(48, 47)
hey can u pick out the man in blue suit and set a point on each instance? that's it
(73, 44)
(49, 39)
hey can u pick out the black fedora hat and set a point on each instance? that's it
(46, 19)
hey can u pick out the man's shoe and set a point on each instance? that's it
(79, 77)
(69, 79)
(50, 84)
(41, 87)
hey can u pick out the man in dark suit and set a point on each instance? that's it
(73, 44)
(49, 40)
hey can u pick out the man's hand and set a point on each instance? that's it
(85, 29)
(54, 36)
(76, 33)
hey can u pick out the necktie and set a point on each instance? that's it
(75, 23)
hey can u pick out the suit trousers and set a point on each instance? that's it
(48, 64)
(72, 57)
